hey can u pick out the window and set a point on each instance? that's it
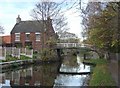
(37, 36)
(27, 36)
(17, 36)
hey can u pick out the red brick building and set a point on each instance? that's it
(29, 33)
(6, 41)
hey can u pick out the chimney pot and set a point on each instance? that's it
(18, 19)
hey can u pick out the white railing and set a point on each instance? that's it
(15, 52)
(2, 53)
(68, 45)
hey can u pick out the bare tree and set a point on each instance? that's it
(1, 30)
(60, 24)
(52, 10)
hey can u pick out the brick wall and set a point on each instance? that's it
(22, 39)
(12, 38)
(36, 45)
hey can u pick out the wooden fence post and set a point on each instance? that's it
(5, 52)
(19, 54)
(13, 51)
(32, 53)
(25, 51)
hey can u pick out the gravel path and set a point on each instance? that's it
(114, 68)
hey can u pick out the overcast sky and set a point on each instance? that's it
(10, 9)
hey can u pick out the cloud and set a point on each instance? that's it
(12, 1)
(10, 9)
(74, 21)
(9, 12)
(9, 1)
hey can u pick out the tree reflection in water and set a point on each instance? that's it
(72, 64)
(47, 75)
(38, 75)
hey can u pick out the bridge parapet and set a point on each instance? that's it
(68, 45)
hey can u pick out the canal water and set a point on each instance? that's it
(47, 74)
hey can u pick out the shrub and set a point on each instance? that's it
(47, 54)
(10, 58)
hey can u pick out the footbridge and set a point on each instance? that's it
(69, 46)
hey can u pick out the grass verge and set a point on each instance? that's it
(10, 58)
(22, 57)
(101, 75)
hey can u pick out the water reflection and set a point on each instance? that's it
(42, 75)
(47, 75)
(4, 82)
(80, 67)
(70, 80)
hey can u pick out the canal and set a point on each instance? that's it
(48, 75)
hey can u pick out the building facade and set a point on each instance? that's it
(67, 37)
(31, 34)
(6, 41)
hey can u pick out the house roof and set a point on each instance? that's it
(27, 26)
(6, 39)
(66, 35)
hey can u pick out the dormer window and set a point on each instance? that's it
(17, 36)
(37, 36)
(27, 36)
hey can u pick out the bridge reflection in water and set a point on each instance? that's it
(47, 74)
(73, 73)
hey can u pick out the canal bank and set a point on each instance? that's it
(18, 63)
(46, 74)
(7, 65)
(101, 74)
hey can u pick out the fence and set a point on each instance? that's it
(2, 53)
(26, 52)
(15, 52)
(68, 45)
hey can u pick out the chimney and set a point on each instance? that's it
(18, 19)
